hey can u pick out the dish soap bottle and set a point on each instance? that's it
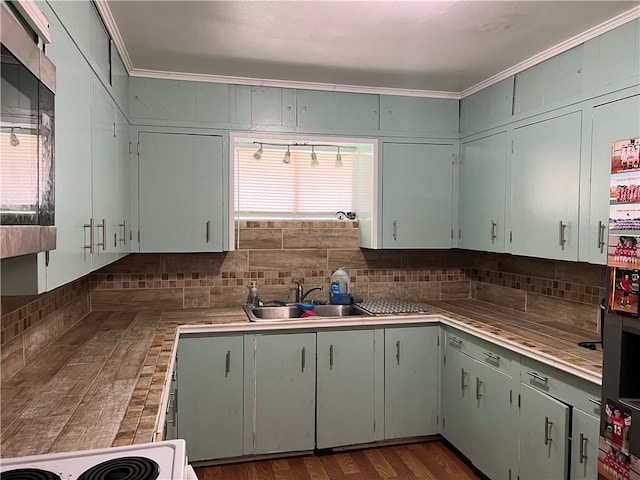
(252, 299)
(340, 288)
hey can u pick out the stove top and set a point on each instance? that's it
(165, 460)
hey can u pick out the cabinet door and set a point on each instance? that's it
(544, 188)
(210, 382)
(181, 197)
(544, 436)
(493, 428)
(410, 381)
(482, 193)
(70, 260)
(585, 435)
(417, 195)
(345, 388)
(104, 162)
(611, 122)
(281, 393)
(457, 399)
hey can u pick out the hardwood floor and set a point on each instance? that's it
(424, 461)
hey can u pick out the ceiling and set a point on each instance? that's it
(423, 47)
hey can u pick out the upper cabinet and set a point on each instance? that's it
(412, 115)
(613, 121)
(482, 193)
(337, 110)
(490, 106)
(417, 195)
(545, 182)
(263, 106)
(181, 199)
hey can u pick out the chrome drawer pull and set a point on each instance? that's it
(596, 401)
(455, 340)
(547, 435)
(538, 377)
(491, 356)
(583, 443)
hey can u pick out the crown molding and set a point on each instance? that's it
(111, 26)
(264, 82)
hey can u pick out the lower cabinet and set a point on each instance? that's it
(585, 434)
(411, 381)
(477, 406)
(210, 393)
(345, 409)
(279, 393)
(544, 435)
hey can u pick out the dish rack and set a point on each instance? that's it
(389, 306)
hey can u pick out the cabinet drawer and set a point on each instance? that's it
(481, 350)
(561, 385)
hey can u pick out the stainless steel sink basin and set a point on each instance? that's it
(288, 312)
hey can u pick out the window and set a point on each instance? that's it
(277, 178)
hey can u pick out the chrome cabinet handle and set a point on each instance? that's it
(596, 401)
(303, 358)
(208, 230)
(547, 435)
(538, 377)
(398, 352)
(563, 240)
(455, 340)
(583, 449)
(227, 363)
(478, 383)
(493, 357)
(331, 357)
(103, 226)
(123, 225)
(171, 408)
(395, 230)
(601, 242)
(462, 375)
(494, 224)
(91, 236)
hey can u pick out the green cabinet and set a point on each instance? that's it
(345, 408)
(585, 436)
(410, 381)
(418, 115)
(545, 179)
(544, 435)
(481, 207)
(477, 405)
(337, 110)
(180, 178)
(613, 121)
(280, 382)
(417, 195)
(171, 412)
(210, 395)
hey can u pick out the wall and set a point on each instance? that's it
(29, 323)
(275, 253)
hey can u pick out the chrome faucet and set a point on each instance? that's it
(300, 293)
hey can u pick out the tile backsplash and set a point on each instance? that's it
(274, 253)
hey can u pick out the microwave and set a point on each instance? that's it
(27, 128)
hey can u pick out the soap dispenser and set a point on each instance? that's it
(252, 299)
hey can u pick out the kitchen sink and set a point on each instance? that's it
(289, 312)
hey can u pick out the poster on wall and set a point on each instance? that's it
(614, 460)
(624, 204)
(625, 289)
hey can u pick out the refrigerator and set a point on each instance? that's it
(619, 443)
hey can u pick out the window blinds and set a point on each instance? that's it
(270, 188)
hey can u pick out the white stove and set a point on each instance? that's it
(166, 460)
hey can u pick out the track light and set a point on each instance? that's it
(13, 139)
(314, 157)
(287, 156)
(258, 154)
(338, 159)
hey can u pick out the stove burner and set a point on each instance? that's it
(125, 468)
(29, 474)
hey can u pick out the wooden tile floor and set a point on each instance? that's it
(424, 461)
